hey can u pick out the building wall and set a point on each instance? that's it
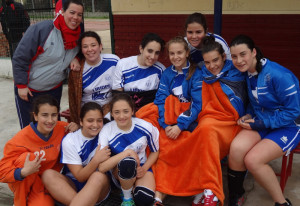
(273, 24)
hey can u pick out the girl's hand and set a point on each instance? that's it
(71, 127)
(23, 93)
(74, 65)
(173, 131)
(245, 120)
(133, 154)
(167, 130)
(140, 172)
(31, 167)
(103, 154)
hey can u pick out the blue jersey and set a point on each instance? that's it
(97, 80)
(77, 149)
(140, 135)
(170, 84)
(133, 77)
(277, 99)
(196, 54)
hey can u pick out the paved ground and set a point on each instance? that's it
(9, 125)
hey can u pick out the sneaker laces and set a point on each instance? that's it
(210, 199)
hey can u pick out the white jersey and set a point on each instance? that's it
(97, 80)
(196, 54)
(136, 78)
(140, 135)
(77, 149)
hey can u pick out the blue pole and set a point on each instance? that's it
(218, 17)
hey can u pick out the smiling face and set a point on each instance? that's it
(92, 123)
(214, 61)
(243, 58)
(122, 113)
(91, 50)
(73, 16)
(149, 54)
(178, 55)
(46, 119)
(195, 33)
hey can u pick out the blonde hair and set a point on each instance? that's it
(181, 40)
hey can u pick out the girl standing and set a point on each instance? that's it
(127, 132)
(139, 75)
(33, 150)
(271, 125)
(195, 30)
(42, 57)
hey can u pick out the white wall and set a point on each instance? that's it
(5, 68)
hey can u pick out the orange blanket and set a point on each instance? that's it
(191, 163)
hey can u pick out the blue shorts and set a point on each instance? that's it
(286, 138)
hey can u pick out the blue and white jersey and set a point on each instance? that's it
(140, 135)
(77, 149)
(170, 84)
(177, 87)
(196, 54)
(97, 80)
(131, 76)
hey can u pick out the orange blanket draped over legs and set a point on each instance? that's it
(191, 163)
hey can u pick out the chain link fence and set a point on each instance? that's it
(15, 18)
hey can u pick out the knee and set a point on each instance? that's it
(49, 175)
(251, 162)
(237, 151)
(127, 168)
(99, 178)
(143, 196)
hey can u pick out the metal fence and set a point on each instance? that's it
(38, 10)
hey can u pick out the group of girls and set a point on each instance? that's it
(199, 116)
(104, 74)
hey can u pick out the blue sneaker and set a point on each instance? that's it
(128, 202)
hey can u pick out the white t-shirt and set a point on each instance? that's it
(77, 149)
(133, 77)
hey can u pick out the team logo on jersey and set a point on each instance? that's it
(107, 77)
(267, 79)
(148, 84)
(284, 139)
